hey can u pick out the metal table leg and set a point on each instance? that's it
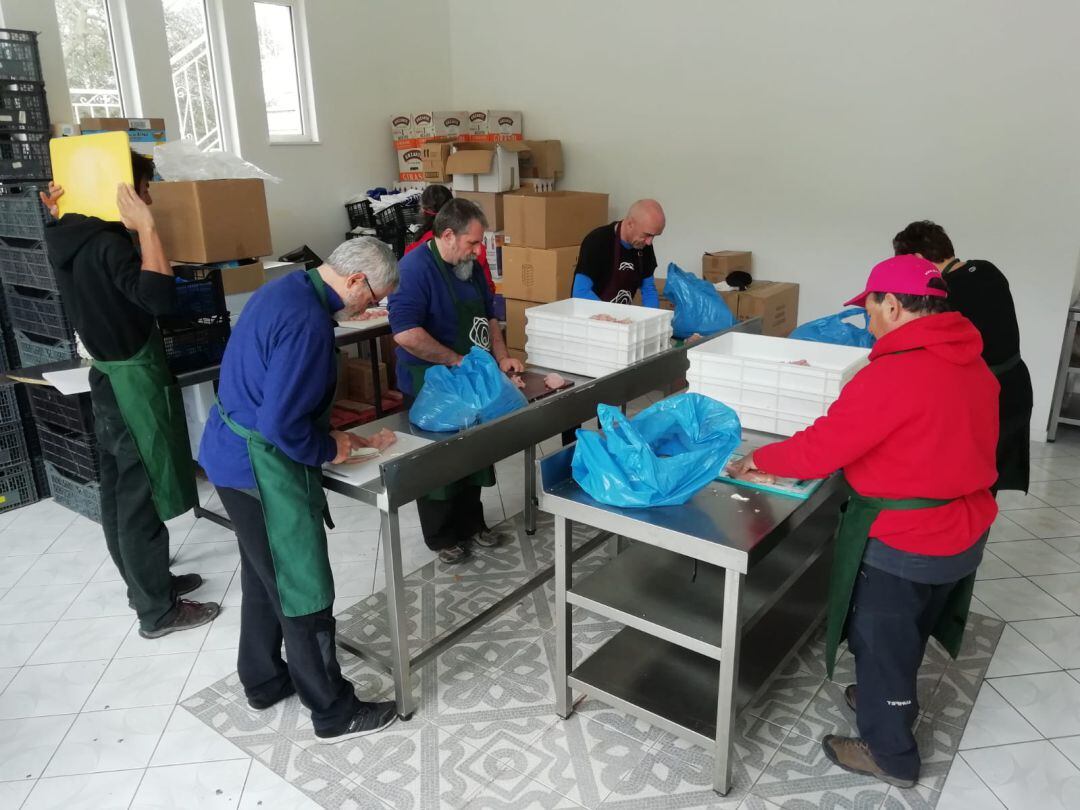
(564, 645)
(1061, 382)
(729, 671)
(395, 614)
(530, 490)
(373, 348)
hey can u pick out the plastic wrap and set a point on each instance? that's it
(184, 160)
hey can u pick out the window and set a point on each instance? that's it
(89, 58)
(283, 52)
(191, 60)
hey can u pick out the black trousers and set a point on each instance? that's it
(137, 540)
(453, 521)
(309, 640)
(888, 627)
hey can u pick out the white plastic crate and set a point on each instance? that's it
(564, 336)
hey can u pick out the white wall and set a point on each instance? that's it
(810, 133)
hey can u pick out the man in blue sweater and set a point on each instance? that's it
(263, 449)
(442, 309)
(617, 259)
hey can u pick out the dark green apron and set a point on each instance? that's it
(153, 409)
(294, 507)
(472, 330)
(857, 516)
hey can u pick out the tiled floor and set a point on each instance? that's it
(90, 715)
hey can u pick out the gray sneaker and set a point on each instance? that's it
(188, 615)
(486, 538)
(370, 718)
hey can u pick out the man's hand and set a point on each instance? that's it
(510, 365)
(134, 213)
(457, 361)
(345, 443)
(52, 199)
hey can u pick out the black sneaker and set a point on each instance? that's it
(370, 718)
(262, 703)
(186, 583)
(188, 615)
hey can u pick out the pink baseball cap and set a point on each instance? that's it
(901, 275)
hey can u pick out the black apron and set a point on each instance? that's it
(625, 278)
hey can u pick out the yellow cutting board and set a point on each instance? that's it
(89, 168)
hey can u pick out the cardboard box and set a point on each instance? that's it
(410, 156)
(543, 160)
(552, 219)
(515, 322)
(537, 185)
(491, 204)
(539, 275)
(495, 125)
(716, 265)
(243, 279)
(205, 221)
(491, 167)
(775, 302)
(433, 161)
(143, 133)
(449, 125)
(361, 384)
(664, 302)
(401, 127)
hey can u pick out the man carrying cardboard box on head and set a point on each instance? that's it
(617, 259)
(442, 310)
(113, 292)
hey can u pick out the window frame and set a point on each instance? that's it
(116, 28)
(304, 85)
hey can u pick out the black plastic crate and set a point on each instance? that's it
(23, 107)
(199, 292)
(12, 445)
(37, 312)
(9, 404)
(27, 266)
(22, 216)
(195, 344)
(17, 486)
(19, 56)
(360, 214)
(72, 412)
(37, 351)
(79, 496)
(24, 156)
(74, 454)
(41, 479)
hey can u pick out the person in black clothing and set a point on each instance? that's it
(113, 291)
(616, 260)
(979, 291)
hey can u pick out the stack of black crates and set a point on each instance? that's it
(396, 225)
(34, 327)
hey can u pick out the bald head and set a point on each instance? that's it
(644, 222)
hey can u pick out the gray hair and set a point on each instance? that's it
(367, 255)
(457, 215)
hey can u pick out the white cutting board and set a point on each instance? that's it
(364, 472)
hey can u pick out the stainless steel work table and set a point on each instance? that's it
(715, 595)
(451, 457)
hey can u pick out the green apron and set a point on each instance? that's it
(857, 516)
(153, 410)
(294, 507)
(472, 330)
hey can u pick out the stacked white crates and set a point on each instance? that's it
(764, 380)
(566, 337)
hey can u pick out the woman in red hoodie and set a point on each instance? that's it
(915, 433)
(431, 201)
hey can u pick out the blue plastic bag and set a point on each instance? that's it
(699, 308)
(476, 391)
(838, 330)
(660, 457)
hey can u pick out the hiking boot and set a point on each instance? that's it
(370, 718)
(853, 754)
(453, 554)
(261, 704)
(485, 538)
(186, 583)
(850, 696)
(188, 615)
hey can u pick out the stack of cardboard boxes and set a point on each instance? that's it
(422, 139)
(543, 233)
(775, 302)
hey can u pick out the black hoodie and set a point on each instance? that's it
(110, 300)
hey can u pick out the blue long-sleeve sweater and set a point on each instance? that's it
(277, 376)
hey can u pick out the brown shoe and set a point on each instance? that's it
(853, 754)
(850, 696)
(188, 615)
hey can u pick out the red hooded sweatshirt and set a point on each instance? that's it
(920, 421)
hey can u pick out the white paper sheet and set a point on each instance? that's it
(70, 381)
(364, 472)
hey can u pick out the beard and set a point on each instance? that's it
(463, 270)
(355, 304)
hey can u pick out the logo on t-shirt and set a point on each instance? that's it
(627, 267)
(480, 334)
(623, 297)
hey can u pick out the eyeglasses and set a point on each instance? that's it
(374, 298)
